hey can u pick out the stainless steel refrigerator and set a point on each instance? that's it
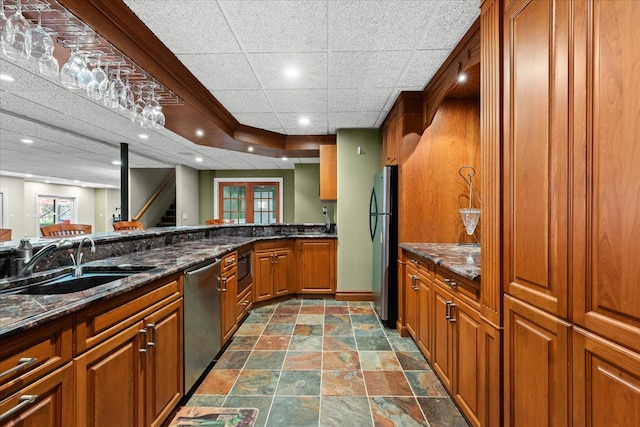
(383, 225)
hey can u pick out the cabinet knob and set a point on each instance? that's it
(450, 283)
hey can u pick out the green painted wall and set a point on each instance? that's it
(206, 189)
(355, 180)
(308, 207)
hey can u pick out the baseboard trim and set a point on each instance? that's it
(354, 296)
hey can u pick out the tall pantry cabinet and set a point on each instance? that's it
(571, 212)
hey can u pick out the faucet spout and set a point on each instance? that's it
(27, 268)
(78, 262)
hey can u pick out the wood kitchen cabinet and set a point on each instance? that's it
(47, 402)
(274, 269)
(405, 117)
(228, 295)
(418, 300)
(328, 172)
(316, 260)
(135, 377)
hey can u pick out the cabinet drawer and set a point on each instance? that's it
(245, 302)
(229, 261)
(422, 266)
(460, 286)
(33, 354)
(47, 402)
(273, 244)
(103, 320)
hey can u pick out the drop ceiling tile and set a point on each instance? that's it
(300, 100)
(358, 99)
(452, 22)
(278, 26)
(422, 66)
(258, 120)
(316, 120)
(377, 25)
(353, 120)
(270, 69)
(187, 26)
(213, 70)
(366, 69)
(306, 131)
(243, 101)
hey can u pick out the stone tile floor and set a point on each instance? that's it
(311, 362)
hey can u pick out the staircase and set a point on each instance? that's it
(169, 217)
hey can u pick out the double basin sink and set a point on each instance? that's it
(68, 283)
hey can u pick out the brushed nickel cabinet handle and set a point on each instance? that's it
(151, 332)
(26, 400)
(22, 363)
(143, 332)
(451, 318)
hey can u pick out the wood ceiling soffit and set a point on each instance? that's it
(465, 55)
(114, 21)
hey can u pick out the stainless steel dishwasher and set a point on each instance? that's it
(202, 340)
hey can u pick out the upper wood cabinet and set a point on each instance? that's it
(536, 152)
(606, 159)
(328, 172)
(404, 118)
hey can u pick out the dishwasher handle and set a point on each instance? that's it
(201, 269)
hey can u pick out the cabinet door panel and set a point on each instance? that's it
(424, 315)
(164, 362)
(606, 382)
(442, 336)
(284, 272)
(536, 358)
(228, 303)
(263, 275)
(410, 295)
(109, 381)
(466, 359)
(607, 224)
(317, 266)
(536, 152)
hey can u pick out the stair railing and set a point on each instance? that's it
(154, 196)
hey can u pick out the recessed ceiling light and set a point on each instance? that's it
(284, 159)
(143, 136)
(462, 77)
(291, 72)
(6, 78)
(117, 163)
(28, 175)
(250, 149)
(27, 140)
(46, 181)
(198, 159)
(199, 132)
(76, 181)
(304, 121)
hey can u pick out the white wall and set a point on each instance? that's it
(85, 204)
(13, 188)
(187, 196)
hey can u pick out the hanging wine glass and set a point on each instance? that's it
(41, 42)
(111, 98)
(17, 36)
(99, 81)
(50, 67)
(138, 106)
(69, 71)
(127, 99)
(3, 24)
(84, 77)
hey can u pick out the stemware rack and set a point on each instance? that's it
(68, 31)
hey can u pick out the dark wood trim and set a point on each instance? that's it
(114, 21)
(464, 56)
(354, 296)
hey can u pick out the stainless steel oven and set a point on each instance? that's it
(245, 276)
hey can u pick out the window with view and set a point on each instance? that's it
(248, 202)
(54, 210)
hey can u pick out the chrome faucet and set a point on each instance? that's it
(78, 262)
(327, 222)
(27, 268)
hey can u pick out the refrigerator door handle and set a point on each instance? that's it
(373, 214)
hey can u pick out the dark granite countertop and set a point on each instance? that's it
(22, 312)
(461, 259)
